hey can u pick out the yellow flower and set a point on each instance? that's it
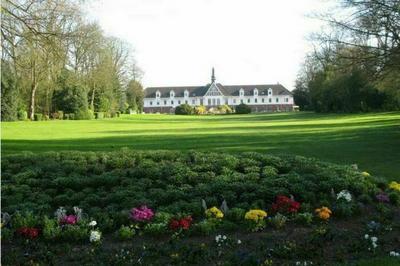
(214, 212)
(394, 185)
(255, 215)
(365, 174)
(324, 213)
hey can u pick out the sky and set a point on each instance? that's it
(177, 42)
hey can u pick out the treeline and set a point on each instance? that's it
(355, 66)
(56, 64)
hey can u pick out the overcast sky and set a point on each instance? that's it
(176, 42)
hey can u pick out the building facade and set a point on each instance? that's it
(261, 98)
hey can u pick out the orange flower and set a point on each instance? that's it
(324, 213)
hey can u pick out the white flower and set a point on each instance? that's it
(374, 245)
(344, 194)
(239, 242)
(95, 236)
(298, 262)
(224, 237)
(394, 254)
(93, 223)
(366, 236)
(374, 239)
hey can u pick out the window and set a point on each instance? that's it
(263, 100)
(186, 94)
(172, 94)
(172, 102)
(193, 101)
(151, 103)
(241, 101)
(234, 100)
(209, 101)
(158, 103)
(165, 102)
(186, 101)
(255, 100)
(277, 100)
(255, 92)
(269, 91)
(248, 100)
(201, 101)
(179, 102)
(241, 92)
(286, 100)
(213, 101)
(158, 94)
(270, 100)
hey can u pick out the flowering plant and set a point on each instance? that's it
(141, 214)
(285, 205)
(323, 213)
(95, 236)
(394, 185)
(183, 223)
(256, 218)
(214, 212)
(365, 174)
(345, 195)
(63, 218)
(382, 197)
(28, 232)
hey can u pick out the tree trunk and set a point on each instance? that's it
(33, 92)
(92, 99)
(32, 101)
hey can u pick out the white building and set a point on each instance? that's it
(261, 98)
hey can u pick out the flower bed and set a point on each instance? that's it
(123, 196)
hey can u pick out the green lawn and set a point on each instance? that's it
(370, 140)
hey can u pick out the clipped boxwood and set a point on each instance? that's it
(243, 109)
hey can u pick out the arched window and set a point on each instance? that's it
(269, 91)
(158, 94)
(255, 92)
(172, 94)
(186, 94)
(241, 92)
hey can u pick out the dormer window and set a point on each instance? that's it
(269, 91)
(158, 94)
(255, 92)
(241, 92)
(172, 94)
(186, 94)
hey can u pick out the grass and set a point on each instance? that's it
(370, 140)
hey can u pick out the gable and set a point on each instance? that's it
(213, 90)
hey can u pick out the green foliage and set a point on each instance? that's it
(184, 109)
(75, 233)
(38, 117)
(51, 229)
(394, 198)
(242, 109)
(224, 109)
(278, 221)
(135, 95)
(304, 218)
(24, 219)
(9, 93)
(22, 115)
(126, 232)
(99, 115)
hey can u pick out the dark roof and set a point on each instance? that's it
(227, 90)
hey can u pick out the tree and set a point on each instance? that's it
(135, 95)
(184, 109)
(243, 109)
(9, 93)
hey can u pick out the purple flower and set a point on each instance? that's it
(141, 214)
(382, 197)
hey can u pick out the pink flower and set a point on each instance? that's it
(70, 219)
(141, 214)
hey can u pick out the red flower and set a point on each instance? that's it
(285, 204)
(174, 224)
(29, 232)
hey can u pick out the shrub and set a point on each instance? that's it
(200, 110)
(84, 114)
(243, 109)
(22, 115)
(224, 109)
(38, 117)
(184, 109)
(99, 115)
